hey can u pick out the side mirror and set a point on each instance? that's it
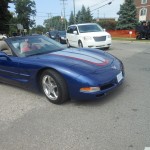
(104, 30)
(75, 32)
(4, 56)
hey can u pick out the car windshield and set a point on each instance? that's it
(89, 28)
(33, 45)
(53, 33)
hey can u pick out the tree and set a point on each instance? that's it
(107, 24)
(39, 29)
(84, 15)
(127, 16)
(78, 17)
(5, 16)
(13, 24)
(55, 23)
(25, 9)
(88, 16)
(71, 19)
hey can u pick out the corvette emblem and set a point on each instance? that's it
(114, 67)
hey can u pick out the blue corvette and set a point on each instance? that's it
(37, 62)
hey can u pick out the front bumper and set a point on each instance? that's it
(115, 77)
(99, 44)
(107, 87)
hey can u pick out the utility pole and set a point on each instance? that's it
(97, 14)
(74, 11)
(49, 17)
(64, 9)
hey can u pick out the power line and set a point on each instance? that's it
(97, 4)
(102, 6)
(46, 13)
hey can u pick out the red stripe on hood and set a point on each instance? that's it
(98, 64)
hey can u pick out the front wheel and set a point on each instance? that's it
(54, 86)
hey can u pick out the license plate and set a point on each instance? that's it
(119, 77)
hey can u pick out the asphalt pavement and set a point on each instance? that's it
(118, 121)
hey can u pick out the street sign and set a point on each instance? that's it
(20, 26)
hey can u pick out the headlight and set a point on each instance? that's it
(87, 38)
(89, 89)
(108, 36)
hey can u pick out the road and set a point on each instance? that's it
(118, 121)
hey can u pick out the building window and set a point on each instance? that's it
(143, 1)
(143, 12)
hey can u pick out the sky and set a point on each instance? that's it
(51, 8)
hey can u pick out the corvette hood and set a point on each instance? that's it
(79, 59)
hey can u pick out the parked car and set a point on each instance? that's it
(61, 37)
(38, 62)
(53, 34)
(3, 36)
(89, 35)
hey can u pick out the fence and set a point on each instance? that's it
(122, 33)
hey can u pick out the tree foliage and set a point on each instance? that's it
(88, 16)
(84, 15)
(25, 9)
(55, 23)
(108, 24)
(71, 19)
(127, 16)
(39, 29)
(13, 24)
(5, 16)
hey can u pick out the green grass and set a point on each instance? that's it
(130, 39)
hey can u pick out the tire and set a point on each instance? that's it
(106, 48)
(54, 86)
(80, 44)
(68, 45)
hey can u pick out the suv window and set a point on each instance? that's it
(71, 29)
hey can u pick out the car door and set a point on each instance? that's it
(75, 36)
(71, 37)
(9, 71)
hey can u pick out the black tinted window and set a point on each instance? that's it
(71, 29)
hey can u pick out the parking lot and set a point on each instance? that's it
(118, 121)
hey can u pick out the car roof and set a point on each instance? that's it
(82, 24)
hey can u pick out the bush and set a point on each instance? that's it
(108, 24)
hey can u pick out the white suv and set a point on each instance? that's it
(89, 35)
